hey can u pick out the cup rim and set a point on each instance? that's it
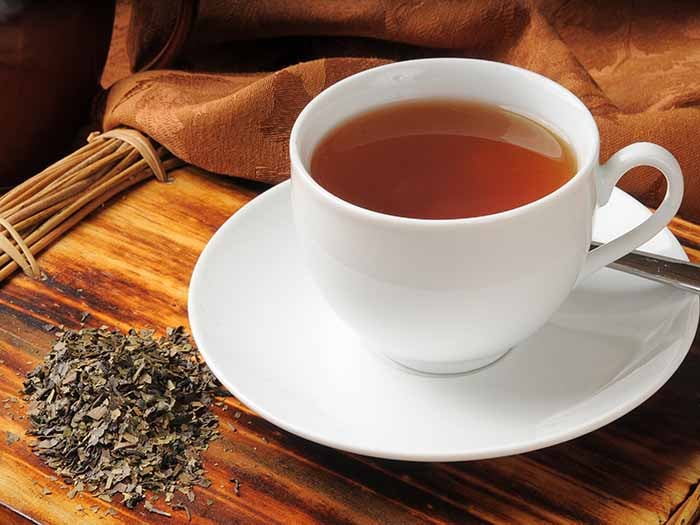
(299, 170)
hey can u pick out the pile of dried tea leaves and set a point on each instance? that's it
(123, 414)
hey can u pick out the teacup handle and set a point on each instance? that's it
(607, 176)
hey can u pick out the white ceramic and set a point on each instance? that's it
(448, 296)
(270, 337)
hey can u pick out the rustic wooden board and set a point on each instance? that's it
(129, 265)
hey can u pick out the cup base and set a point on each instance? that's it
(433, 368)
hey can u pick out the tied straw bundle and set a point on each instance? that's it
(38, 211)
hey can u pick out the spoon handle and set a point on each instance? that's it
(667, 270)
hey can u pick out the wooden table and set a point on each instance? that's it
(130, 264)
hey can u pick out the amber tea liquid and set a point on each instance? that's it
(441, 159)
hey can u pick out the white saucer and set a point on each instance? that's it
(268, 335)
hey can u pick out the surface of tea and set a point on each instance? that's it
(441, 159)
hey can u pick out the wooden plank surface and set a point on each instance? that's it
(129, 265)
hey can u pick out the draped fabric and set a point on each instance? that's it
(238, 72)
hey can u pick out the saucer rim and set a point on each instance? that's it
(523, 446)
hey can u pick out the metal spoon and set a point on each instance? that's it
(667, 270)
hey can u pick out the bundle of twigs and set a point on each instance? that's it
(41, 209)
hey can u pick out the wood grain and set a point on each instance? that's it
(688, 234)
(689, 510)
(129, 265)
(10, 516)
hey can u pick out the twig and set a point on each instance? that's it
(37, 212)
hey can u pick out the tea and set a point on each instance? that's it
(441, 159)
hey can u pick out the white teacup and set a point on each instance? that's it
(447, 296)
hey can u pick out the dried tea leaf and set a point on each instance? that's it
(150, 508)
(11, 438)
(123, 413)
(97, 412)
(236, 486)
(183, 507)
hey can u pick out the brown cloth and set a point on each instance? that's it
(248, 68)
